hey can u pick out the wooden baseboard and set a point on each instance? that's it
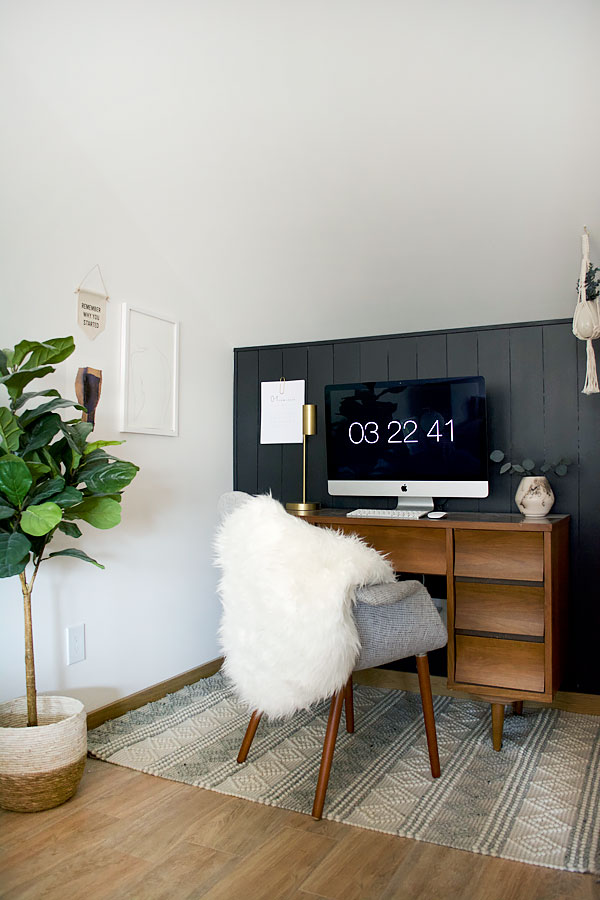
(148, 695)
(585, 704)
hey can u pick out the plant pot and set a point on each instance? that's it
(534, 496)
(41, 767)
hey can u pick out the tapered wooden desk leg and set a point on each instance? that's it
(497, 724)
(349, 707)
(249, 736)
(333, 723)
(517, 707)
(427, 701)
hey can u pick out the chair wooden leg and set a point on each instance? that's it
(517, 707)
(497, 725)
(249, 736)
(427, 701)
(335, 713)
(349, 698)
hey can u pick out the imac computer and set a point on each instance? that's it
(415, 440)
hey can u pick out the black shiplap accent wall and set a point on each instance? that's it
(534, 373)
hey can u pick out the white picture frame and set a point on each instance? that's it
(149, 372)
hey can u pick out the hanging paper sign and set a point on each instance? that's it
(91, 312)
(281, 412)
(91, 307)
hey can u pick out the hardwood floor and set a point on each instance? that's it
(126, 835)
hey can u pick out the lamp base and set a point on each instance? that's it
(302, 509)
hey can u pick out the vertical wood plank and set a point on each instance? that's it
(402, 358)
(583, 643)
(246, 421)
(346, 362)
(461, 355)
(295, 368)
(270, 368)
(320, 373)
(494, 365)
(431, 356)
(561, 437)
(526, 396)
(374, 360)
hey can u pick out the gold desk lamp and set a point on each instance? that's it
(309, 426)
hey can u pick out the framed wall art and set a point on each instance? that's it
(149, 372)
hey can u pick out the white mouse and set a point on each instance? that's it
(436, 515)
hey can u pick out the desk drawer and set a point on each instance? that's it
(508, 555)
(408, 549)
(503, 608)
(500, 663)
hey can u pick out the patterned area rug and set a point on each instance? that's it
(536, 801)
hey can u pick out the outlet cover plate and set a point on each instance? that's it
(75, 644)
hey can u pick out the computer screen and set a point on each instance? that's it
(421, 438)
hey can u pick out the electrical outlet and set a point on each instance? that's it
(75, 644)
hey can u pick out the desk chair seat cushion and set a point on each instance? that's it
(395, 621)
(287, 588)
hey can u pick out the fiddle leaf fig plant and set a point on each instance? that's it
(51, 477)
(529, 467)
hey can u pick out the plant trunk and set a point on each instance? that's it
(29, 663)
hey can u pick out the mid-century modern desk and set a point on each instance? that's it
(506, 581)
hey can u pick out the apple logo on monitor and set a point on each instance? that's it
(404, 488)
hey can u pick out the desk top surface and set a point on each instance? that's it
(500, 521)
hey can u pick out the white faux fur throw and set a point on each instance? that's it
(287, 588)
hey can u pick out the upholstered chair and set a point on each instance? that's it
(302, 608)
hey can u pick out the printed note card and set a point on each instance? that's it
(281, 405)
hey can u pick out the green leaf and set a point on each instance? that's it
(10, 431)
(561, 470)
(78, 554)
(101, 512)
(53, 350)
(16, 381)
(528, 464)
(497, 455)
(25, 397)
(42, 432)
(69, 497)
(14, 554)
(108, 478)
(48, 489)
(56, 403)
(15, 479)
(6, 512)
(518, 468)
(3, 363)
(36, 469)
(40, 519)
(70, 528)
(505, 468)
(95, 445)
(76, 436)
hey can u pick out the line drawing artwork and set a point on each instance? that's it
(149, 373)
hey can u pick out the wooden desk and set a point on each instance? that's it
(506, 579)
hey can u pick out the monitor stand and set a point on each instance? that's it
(423, 504)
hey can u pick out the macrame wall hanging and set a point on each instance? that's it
(91, 307)
(586, 321)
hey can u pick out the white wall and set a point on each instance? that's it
(264, 172)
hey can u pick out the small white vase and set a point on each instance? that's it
(534, 496)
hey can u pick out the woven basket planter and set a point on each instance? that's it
(41, 767)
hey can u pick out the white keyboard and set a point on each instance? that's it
(386, 513)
